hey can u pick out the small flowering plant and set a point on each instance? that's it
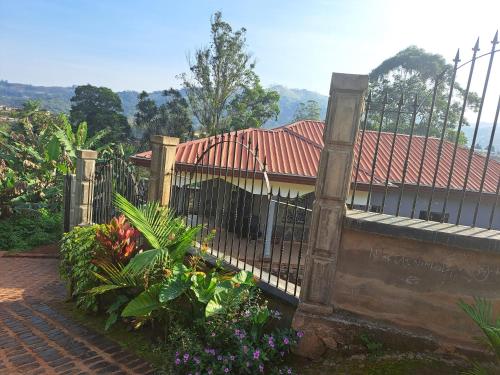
(247, 357)
(240, 343)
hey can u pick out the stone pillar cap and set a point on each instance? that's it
(165, 140)
(351, 82)
(86, 154)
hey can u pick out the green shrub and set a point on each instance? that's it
(30, 228)
(78, 249)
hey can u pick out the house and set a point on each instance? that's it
(292, 154)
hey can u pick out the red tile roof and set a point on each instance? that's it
(292, 154)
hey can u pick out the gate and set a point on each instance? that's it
(246, 223)
(115, 175)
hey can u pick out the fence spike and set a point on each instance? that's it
(495, 39)
(457, 56)
(476, 46)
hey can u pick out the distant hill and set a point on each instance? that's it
(289, 101)
(483, 135)
(57, 99)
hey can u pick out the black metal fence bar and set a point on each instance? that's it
(417, 162)
(422, 159)
(391, 152)
(486, 162)
(478, 120)
(361, 143)
(460, 124)
(238, 218)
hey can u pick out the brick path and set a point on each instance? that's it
(36, 339)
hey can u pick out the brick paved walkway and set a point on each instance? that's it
(36, 339)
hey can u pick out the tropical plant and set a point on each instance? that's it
(481, 311)
(74, 140)
(32, 161)
(79, 248)
(118, 240)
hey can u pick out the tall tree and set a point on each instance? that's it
(221, 75)
(411, 72)
(146, 110)
(309, 110)
(172, 118)
(252, 107)
(100, 108)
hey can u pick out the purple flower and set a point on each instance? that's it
(300, 334)
(232, 358)
(289, 371)
(209, 371)
(177, 361)
(261, 367)
(186, 357)
(256, 354)
(176, 354)
(286, 341)
(219, 357)
(196, 360)
(226, 370)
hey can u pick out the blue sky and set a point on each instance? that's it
(144, 44)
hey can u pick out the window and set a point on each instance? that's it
(434, 216)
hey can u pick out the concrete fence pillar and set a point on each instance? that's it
(162, 162)
(345, 106)
(84, 192)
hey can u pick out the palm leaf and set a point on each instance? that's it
(482, 314)
(146, 260)
(140, 218)
(101, 289)
(81, 134)
(91, 142)
(68, 146)
(116, 275)
(145, 303)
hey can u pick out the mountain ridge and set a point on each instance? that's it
(57, 99)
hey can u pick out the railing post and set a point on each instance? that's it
(162, 162)
(70, 219)
(84, 192)
(345, 106)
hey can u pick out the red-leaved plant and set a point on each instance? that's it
(118, 240)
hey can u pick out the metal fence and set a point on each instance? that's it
(114, 175)
(245, 222)
(411, 157)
